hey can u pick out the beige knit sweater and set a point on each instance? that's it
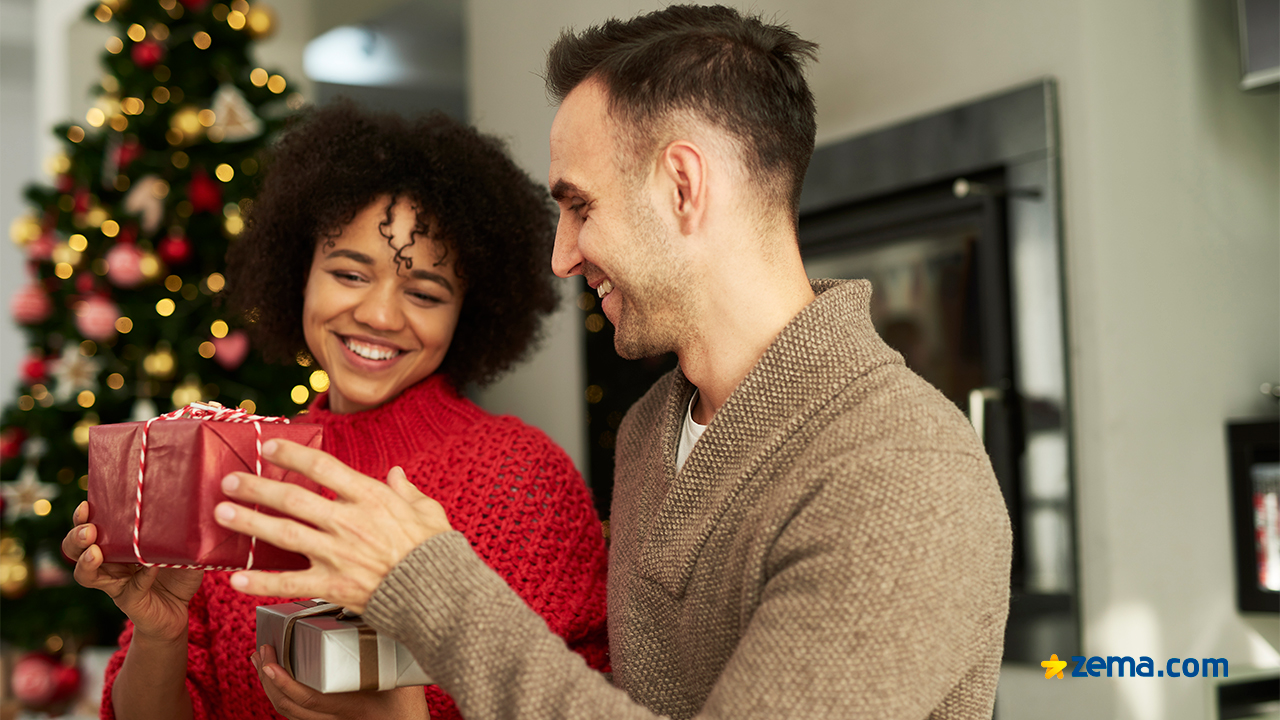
(835, 547)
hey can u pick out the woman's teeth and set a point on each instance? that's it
(369, 352)
(605, 288)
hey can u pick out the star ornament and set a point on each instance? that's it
(1053, 667)
(75, 372)
(21, 496)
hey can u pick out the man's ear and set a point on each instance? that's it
(683, 167)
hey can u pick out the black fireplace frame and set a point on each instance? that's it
(1012, 136)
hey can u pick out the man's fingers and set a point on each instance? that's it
(281, 532)
(298, 501)
(81, 514)
(318, 465)
(399, 482)
(314, 582)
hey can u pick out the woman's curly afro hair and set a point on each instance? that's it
(495, 223)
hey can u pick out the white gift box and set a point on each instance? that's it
(331, 653)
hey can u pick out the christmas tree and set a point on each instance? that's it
(125, 253)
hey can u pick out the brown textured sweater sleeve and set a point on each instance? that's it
(479, 641)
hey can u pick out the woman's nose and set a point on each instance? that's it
(380, 310)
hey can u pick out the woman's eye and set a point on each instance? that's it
(347, 276)
(425, 298)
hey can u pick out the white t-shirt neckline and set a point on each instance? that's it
(689, 434)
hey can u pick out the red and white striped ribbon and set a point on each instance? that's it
(199, 411)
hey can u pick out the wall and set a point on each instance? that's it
(18, 158)
(1172, 248)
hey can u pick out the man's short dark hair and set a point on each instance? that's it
(737, 72)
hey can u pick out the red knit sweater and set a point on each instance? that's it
(505, 485)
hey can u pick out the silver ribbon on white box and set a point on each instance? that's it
(331, 652)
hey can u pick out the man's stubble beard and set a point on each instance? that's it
(656, 312)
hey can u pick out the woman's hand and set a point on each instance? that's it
(299, 702)
(353, 542)
(155, 599)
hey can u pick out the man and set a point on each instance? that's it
(802, 527)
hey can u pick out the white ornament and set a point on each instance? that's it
(143, 200)
(74, 373)
(20, 497)
(234, 116)
(143, 409)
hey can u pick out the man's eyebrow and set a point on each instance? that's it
(415, 274)
(563, 189)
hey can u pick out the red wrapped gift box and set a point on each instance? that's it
(186, 460)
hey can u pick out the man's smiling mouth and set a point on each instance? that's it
(605, 288)
(369, 351)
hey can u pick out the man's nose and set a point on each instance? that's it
(566, 259)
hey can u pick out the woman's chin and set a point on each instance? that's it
(343, 403)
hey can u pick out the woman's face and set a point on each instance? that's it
(375, 325)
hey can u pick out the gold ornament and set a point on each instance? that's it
(151, 266)
(80, 433)
(24, 230)
(15, 571)
(159, 364)
(188, 392)
(260, 22)
(185, 125)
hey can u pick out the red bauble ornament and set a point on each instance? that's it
(81, 200)
(124, 265)
(128, 151)
(41, 682)
(31, 305)
(84, 283)
(96, 318)
(230, 351)
(34, 370)
(65, 183)
(11, 441)
(204, 193)
(147, 54)
(41, 249)
(175, 250)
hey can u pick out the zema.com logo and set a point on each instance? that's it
(1126, 666)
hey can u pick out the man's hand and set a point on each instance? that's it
(299, 702)
(352, 542)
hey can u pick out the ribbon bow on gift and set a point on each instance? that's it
(198, 411)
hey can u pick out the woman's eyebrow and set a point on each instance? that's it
(353, 255)
(415, 274)
(431, 277)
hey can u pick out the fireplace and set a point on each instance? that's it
(955, 220)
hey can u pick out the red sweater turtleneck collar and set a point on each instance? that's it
(373, 441)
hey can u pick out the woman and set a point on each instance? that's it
(409, 261)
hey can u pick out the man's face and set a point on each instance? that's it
(611, 233)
